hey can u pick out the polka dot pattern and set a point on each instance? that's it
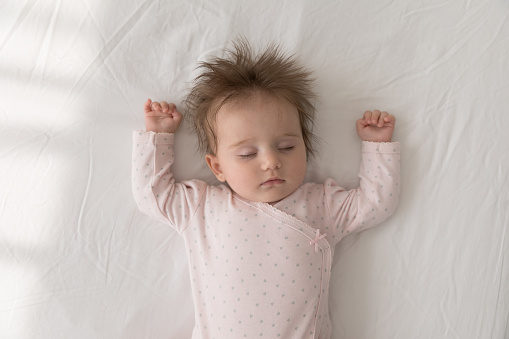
(259, 270)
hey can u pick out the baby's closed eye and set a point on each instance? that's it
(248, 152)
(247, 155)
(286, 149)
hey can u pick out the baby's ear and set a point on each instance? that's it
(215, 167)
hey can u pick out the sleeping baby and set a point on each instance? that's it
(260, 244)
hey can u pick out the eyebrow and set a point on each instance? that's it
(245, 141)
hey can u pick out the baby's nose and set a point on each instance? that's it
(271, 161)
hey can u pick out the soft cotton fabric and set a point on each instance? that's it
(259, 269)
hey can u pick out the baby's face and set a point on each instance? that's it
(260, 150)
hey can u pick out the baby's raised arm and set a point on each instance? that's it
(154, 187)
(161, 117)
(377, 196)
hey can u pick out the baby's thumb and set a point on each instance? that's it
(147, 106)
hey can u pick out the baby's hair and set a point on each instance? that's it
(238, 77)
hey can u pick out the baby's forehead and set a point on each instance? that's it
(257, 119)
(268, 107)
(258, 98)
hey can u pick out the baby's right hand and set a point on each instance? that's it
(161, 117)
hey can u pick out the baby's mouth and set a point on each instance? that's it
(273, 181)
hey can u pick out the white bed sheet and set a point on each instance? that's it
(77, 260)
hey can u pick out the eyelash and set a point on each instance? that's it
(286, 149)
(252, 155)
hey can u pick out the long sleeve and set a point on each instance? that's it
(153, 184)
(377, 196)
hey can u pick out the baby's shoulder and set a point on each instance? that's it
(317, 187)
(309, 190)
(312, 190)
(217, 192)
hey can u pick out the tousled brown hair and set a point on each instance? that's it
(239, 76)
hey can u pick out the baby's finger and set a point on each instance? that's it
(390, 119)
(164, 106)
(147, 106)
(367, 116)
(381, 120)
(176, 115)
(155, 106)
(172, 107)
(375, 116)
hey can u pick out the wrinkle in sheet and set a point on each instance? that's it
(38, 39)
(46, 44)
(84, 199)
(108, 252)
(422, 10)
(29, 5)
(97, 63)
(500, 282)
(449, 329)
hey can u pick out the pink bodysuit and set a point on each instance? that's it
(260, 270)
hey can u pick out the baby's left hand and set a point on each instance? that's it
(376, 126)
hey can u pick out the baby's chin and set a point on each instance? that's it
(271, 200)
(269, 195)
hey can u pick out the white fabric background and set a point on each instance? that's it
(77, 260)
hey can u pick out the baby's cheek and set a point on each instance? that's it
(241, 179)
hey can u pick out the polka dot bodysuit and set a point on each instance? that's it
(260, 270)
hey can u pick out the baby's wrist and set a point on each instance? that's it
(380, 147)
(158, 129)
(377, 140)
